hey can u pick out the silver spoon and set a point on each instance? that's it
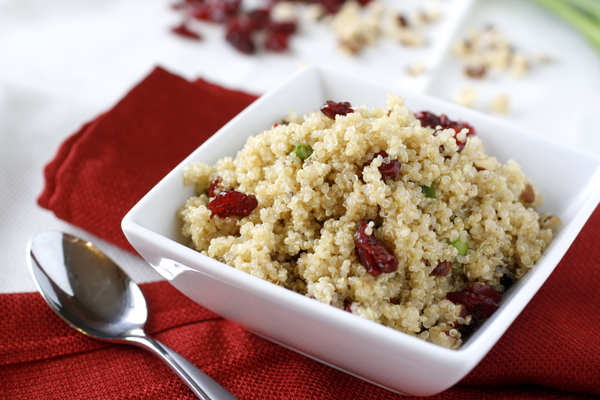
(93, 295)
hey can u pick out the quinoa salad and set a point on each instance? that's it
(396, 216)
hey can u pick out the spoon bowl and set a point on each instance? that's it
(95, 296)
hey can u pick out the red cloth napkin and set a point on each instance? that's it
(551, 351)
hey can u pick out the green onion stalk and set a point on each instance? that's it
(584, 15)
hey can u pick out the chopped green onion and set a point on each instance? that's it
(429, 191)
(303, 151)
(583, 15)
(461, 246)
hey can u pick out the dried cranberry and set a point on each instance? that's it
(277, 42)
(331, 108)
(443, 268)
(506, 281)
(331, 6)
(214, 10)
(229, 7)
(389, 169)
(428, 119)
(373, 253)
(458, 126)
(485, 290)
(184, 4)
(259, 18)
(221, 11)
(431, 120)
(288, 27)
(232, 203)
(215, 187)
(180, 5)
(239, 34)
(480, 301)
(183, 30)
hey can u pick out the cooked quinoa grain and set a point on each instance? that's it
(350, 224)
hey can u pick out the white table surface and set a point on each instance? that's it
(64, 62)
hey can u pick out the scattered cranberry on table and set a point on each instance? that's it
(183, 30)
(243, 26)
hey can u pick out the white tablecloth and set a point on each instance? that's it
(63, 62)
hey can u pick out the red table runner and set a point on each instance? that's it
(551, 351)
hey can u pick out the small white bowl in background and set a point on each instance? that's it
(567, 178)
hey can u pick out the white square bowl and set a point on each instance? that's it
(569, 180)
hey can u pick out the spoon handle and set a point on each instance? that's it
(201, 384)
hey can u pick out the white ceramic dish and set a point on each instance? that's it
(568, 179)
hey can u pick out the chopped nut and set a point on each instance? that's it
(527, 196)
(500, 104)
(462, 47)
(543, 58)
(466, 96)
(408, 37)
(550, 221)
(405, 31)
(489, 164)
(315, 12)
(475, 71)
(485, 49)
(284, 11)
(432, 14)
(443, 268)
(519, 65)
(355, 29)
(402, 21)
(442, 337)
(417, 68)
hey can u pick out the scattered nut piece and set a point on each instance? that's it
(500, 104)
(487, 52)
(462, 48)
(466, 96)
(403, 31)
(315, 12)
(417, 68)
(489, 49)
(356, 27)
(402, 20)
(475, 71)
(284, 11)
(543, 58)
(519, 65)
